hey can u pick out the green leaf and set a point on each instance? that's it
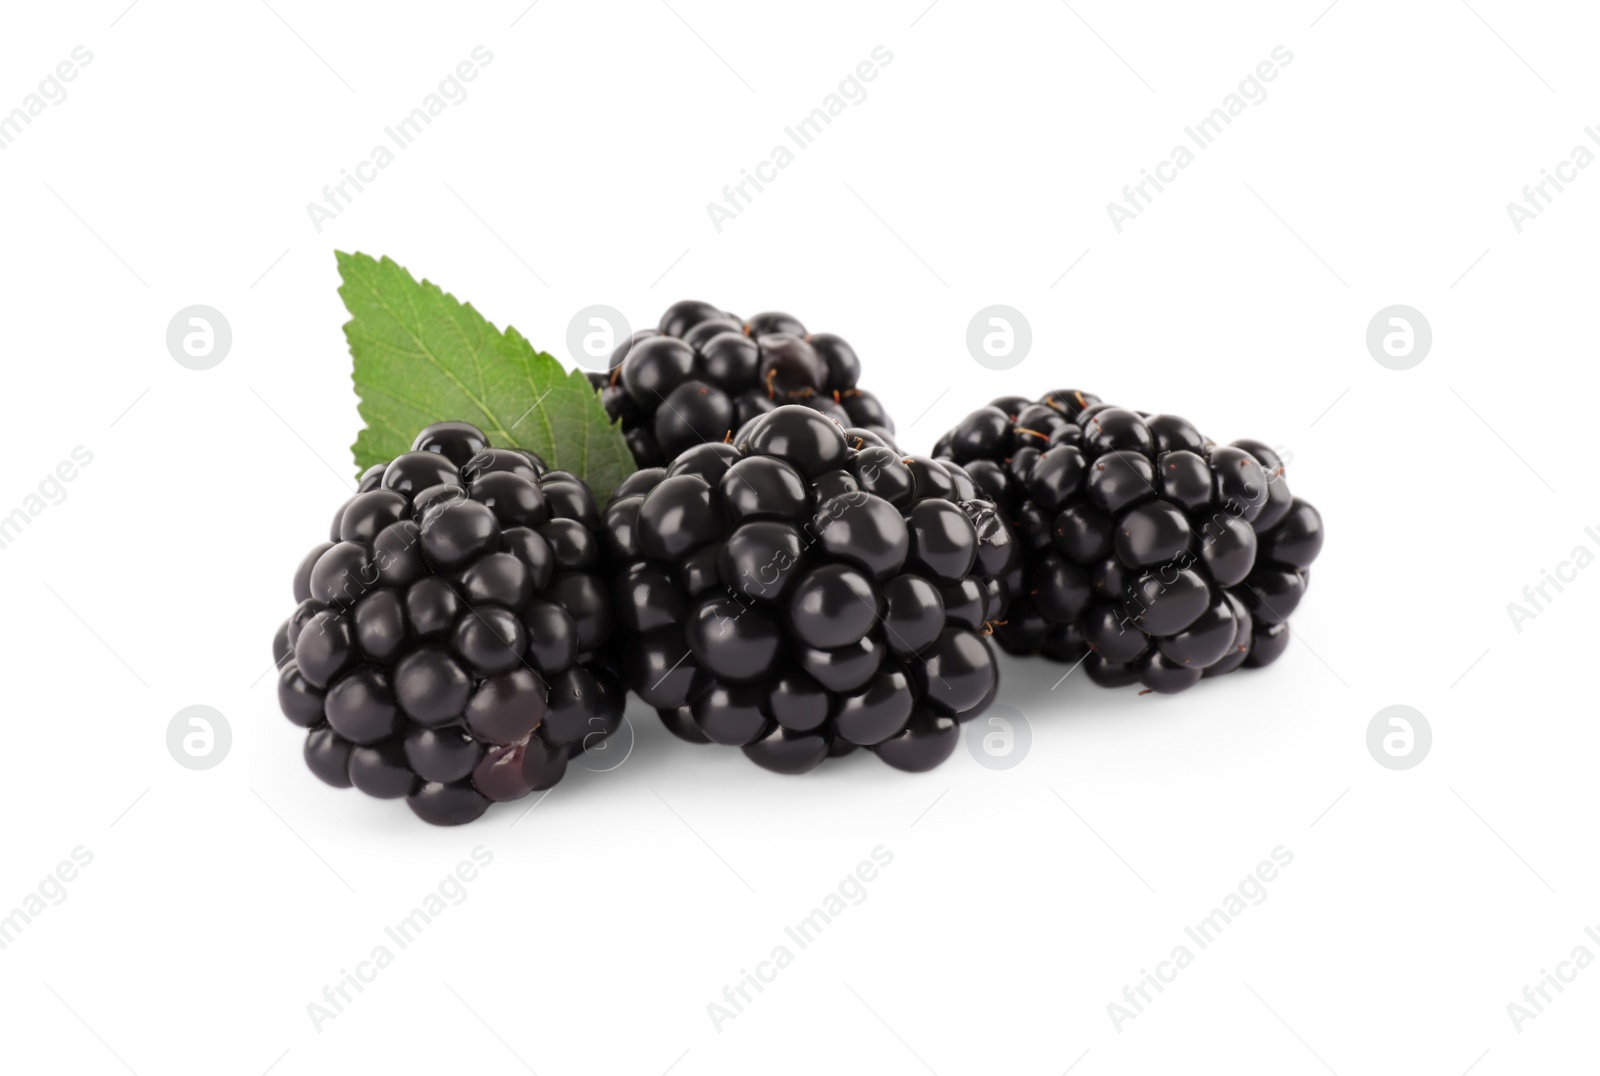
(422, 356)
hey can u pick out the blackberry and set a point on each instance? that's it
(1152, 554)
(799, 593)
(704, 373)
(450, 645)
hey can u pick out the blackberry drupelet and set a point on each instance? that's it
(704, 373)
(449, 645)
(1153, 554)
(801, 592)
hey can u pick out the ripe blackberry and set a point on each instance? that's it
(704, 373)
(450, 639)
(799, 593)
(1152, 554)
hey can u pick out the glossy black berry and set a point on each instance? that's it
(956, 672)
(730, 714)
(880, 471)
(784, 750)
(1109, 673)
(514, 500)
(832, 605)
(1119, 480)
(761, 559)
(459, 532)
(732, 362)
(985, 432)
(361, 706)
(1297, 539)
(1239, 481)
(1228, 548)
(734, 640)
(773, 321)
(913, 614)
(801, 437)
(1267, 644)
(877, 711)
(1062, 589)
(1159, 673)
(1115, 429)
(1148, 552)
(327, 755)
(380, 770)
(712, 326)
(797, 702)
(552, 636)
(432, 606)
(1207, 638)
(325, 647)
(706, 374)
(1272, 593)
(773, 601)
(1151, 533)
(1165, 603)
(1183, 478)
(839, 358)
(763, 487)
(1174, 434)
(489, 639)
(678, 517)
(943, 541)
(452, 646)
(843, 669)
(789, 365)
(397, 559)
(1057, 477)
(509, 771)
(444, 754)
(864, 530)
(508, 460)
(693, 413)
(928, 739)
(342, 574)
(655, 367)
(660, 668)
(1084, 533)
(457, 442)
(1239, 649)
(498, 578)
(415, 471)
(966, 604)
(368, 513)
(682, 316)
(302, 574)
(452, 804)
(300, 702)
(505, 708)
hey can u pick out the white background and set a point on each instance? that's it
(1019, 902)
